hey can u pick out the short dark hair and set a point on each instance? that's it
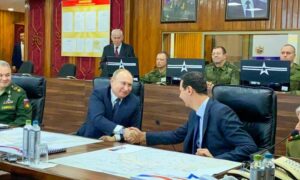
(221, 47)
(196, 80)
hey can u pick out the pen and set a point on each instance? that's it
(117, 148)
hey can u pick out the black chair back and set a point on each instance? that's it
(26, 67)
(67, 70)
(257, 109)
(137, 89)
(35, 88)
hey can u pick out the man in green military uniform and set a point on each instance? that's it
(15, 108)
(288, 53)
(157, 75)
(220, 71)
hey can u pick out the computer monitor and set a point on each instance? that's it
(178, 66)
(266, 58)
(271, 73)
(129, 63)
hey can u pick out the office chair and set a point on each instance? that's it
(257, 109)
(35, 88)
(26, 67)
(67, 71)
(137, 89)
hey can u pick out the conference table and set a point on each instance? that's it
(66, 107)
(119, 160)
(67, 102)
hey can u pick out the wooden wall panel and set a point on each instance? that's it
(188, 45)
(146, 28)
(7, 25)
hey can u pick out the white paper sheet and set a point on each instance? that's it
(14, 137)
(131, 161)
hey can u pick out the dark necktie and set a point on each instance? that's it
(248, 12)
(116, 107)
(116, 51)
(196, 143)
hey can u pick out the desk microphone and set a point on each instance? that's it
(276, 144)
(157, 122)
(294, 135)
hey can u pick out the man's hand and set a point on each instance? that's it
(135, 136)
(203, 152)
(129, 134)
(14, 69)
(108, 138)
(209, 85)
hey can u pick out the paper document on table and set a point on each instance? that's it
(131, 161)
(14, 137)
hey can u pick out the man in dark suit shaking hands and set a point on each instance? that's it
(112, 109)
(117, 49)
(212, 129)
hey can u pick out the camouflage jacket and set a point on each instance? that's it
(295, 77)
(228, 74)
(154, 77)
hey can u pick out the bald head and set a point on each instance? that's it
(288, 53)
(4, 64)
(117, 37)
(5, 75)
(121, 83)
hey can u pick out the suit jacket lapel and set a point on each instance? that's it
(122, 50)
(107, 101)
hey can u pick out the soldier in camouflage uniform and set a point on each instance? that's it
(15, 108)
(220, 71)
(158, 75)
(288, 53)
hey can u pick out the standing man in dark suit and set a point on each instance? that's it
(212, 130)
(112, 109)
(18, 54)
(241, 9)
(117, 49)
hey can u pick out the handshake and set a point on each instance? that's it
(132, 135)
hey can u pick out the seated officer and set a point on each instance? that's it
(111, 109)
(15, 108)
(293, 143)
(288, 53)
(158, 75)
(220, 71)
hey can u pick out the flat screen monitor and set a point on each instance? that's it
(274, 74)
(129, 63)
(266, 58)
(178, 66)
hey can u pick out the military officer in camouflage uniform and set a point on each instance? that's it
(288, 53)
(220, 71)
(15, 108)
(158, 75)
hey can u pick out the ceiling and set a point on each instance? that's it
(18, 5)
